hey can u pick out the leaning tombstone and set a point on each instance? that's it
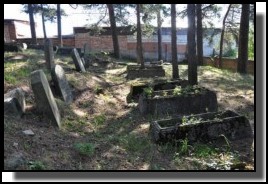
(43, 96)
(83, 61)
(77, 61)
(49, 54)
(14, 102)
(61, 84)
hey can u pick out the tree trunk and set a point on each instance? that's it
(114, 30)
(139, 39)
(43, 22)
(175, 70)
(59, 25)
(199, 34)
(32, 24)
(159, 34)
(222, 35)
(192, 64)
(243, 40)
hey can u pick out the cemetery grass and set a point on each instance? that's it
(100, 131)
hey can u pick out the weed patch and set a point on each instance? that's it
(135, 144)
(85, 149)
(36, 165)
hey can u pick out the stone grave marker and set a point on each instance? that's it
(86, 49)
(43, 96)
(49, 54)
(14, 102)
(77, 61)
(61, 84)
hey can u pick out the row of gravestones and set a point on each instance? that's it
(14, 101)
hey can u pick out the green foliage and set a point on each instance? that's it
(148, 91)
(227, 142)
(156, 167)
(50, 11)
(251, 44)
(98, 89)
(203, 150)
(166, 148)
(184, 147)
(10, 79)
(230, 52)
(76, 126)
(177, 90)
(189, 89)
(165, 93)
(14, 72)
(36, 165)
(134, 144)
(86, 149)
(184, 120)
(190, 120)
(95, 30)
(209, 12)
(99, 120)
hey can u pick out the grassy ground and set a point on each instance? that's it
(101, 131)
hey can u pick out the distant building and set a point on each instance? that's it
(15, 29)
(127, 42)
(19, 30)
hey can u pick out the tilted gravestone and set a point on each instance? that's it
(83, 61)
(77, 61)
(49, 54)
(61, 84)
(14, 102)
(43, 96)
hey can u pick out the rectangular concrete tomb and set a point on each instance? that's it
(181, 100)
(134, 71)
(136, 89)
(43, 96)
(12, 47)
(77, 61)
(203, 127)
(67, 50)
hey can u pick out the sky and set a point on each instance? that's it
(78, 18)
